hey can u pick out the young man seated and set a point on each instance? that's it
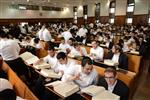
(96, 52)
(114, 85)
(117, 56)
(83, 75)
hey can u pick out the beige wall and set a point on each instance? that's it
(141, 7)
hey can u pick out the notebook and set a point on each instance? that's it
(64, 88)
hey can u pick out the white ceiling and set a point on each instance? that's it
(53, 2)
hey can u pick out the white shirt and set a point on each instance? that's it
(63, 47)
(98, 52)
(40, 33)
(111, 88)
(51, 60)
(5, 84)
(67, 35)
(46, 35)
(82, 32)
(115, 58)
(63, 67)
(85, 81)
(79, 53)
(9, 49)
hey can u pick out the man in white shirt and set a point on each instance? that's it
(66, 34)
(96, 52)
(50, 58)
(83, 75)
(46, 34)
(9, 50)
(78, 50)
(81, 34)
(63, 46)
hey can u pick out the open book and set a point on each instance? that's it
(64, 88)
(106, 95)
(29, 58)
(92, 90)
(41, 65)
(134, 52)
(110, 62)
(49, 73)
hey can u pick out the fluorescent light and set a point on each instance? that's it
(130, 9)
(112, 10)
(129, 20)
(149, 20)
(22, 7)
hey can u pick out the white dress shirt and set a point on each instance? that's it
(51, 60)
(79, 53)
(5, 84)
(9, 49)
(85, 81)
(63, 47)
(46, 35)
(67, 35)
(115, 58)
(98, 52)
(111, 88)
(63, 67)
(82, 32)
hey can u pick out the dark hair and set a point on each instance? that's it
(117, 47)
(86, 60)
(8, 94)
(51, 48)
(36, 40)
(2, 34)
(61, 55)
(111, 70)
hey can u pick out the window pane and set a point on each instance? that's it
(112, 20)
(129, 20)
(130, 9)
(112, 10)
(85, 16)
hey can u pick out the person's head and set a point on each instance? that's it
(3, 34)
(62, 40)
(94, 44)
(87, 65)
(110, 76)
(71, 41)
(62, 57)
(36, 40)
(7, 94)
(51, 51)
(107, 38)
(77, 46)
(116, 49)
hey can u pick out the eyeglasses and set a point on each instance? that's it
(110, 78)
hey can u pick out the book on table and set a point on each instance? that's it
(110, 62)
(29, 58)
(99, 93)
(65, 89)
(49, 73)
(41, 65)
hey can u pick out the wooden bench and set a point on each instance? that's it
(20, 88)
